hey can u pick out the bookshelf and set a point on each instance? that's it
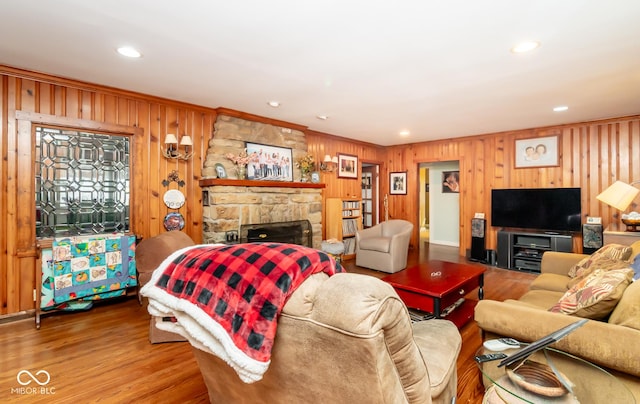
(344, 219)
(367, 199)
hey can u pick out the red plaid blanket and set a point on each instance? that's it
(241, 287)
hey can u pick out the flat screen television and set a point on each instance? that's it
(546, 209)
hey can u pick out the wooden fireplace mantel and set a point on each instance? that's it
(212, 182)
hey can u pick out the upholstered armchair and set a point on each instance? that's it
(346, 338)
(385, 246)
(149, 254)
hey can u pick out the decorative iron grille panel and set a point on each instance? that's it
(82, 183)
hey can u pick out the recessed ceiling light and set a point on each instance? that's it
(404, 133)
(560, 108)
(129, 52)
(274, 104)
(322, 117)
(525, 46)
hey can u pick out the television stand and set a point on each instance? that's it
(523, 251)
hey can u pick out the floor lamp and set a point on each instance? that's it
(620, 195)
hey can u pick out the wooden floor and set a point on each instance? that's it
(103, 355)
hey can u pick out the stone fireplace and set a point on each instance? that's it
(230, 204)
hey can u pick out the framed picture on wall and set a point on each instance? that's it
(537, 152)
(347, 166)
(398, 183)
(450, 182)
(270, 163)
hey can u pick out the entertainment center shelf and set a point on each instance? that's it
(523, 250)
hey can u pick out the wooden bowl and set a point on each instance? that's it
(632, 224)
(537, 378)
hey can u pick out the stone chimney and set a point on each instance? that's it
(228, 206)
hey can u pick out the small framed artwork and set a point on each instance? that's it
(398, 183)
(220, 171)
(537, 152)
(450, 182)
(315, 177)
(594, 220)
(347, 166)
(270, 163)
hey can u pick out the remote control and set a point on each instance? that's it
(490, 357)
(497, 345)
(510, 341)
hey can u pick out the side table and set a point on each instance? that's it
(616, 233)
(591, 383)
(333, 248)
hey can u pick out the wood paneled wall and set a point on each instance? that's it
(320, 144)
(30, 97)
(592, 155)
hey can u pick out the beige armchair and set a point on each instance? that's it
(385, 246)
(346, 339)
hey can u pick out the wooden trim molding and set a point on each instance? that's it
(77, 123)
(212, 182)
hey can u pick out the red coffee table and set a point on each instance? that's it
(434, 286)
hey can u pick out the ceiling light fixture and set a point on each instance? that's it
(525, 46)
(560, 108)
(322, 117)
(274, 104)
(129, 52)
(404, 133)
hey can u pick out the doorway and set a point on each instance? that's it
(423, 220)
(370, 194)
(439, 201)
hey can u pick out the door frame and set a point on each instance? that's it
(375, 167)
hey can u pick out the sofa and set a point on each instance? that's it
(570, 286)
(385, 246)
(345, 338)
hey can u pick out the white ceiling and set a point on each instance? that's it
(439, 69)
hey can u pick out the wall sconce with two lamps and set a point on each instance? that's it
(172, 150)
(329, 164)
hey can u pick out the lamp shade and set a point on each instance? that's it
(186, 141)
(327, 158)
(170, 139)
(619, 195)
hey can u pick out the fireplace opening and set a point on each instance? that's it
(293, 232)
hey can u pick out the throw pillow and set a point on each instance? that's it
(596, 295)
(603, 264)
(611, 251)
(636, 268)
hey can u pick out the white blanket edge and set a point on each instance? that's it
(197, 327)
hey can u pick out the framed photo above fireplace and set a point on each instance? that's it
(347, 166)
(269, 163)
